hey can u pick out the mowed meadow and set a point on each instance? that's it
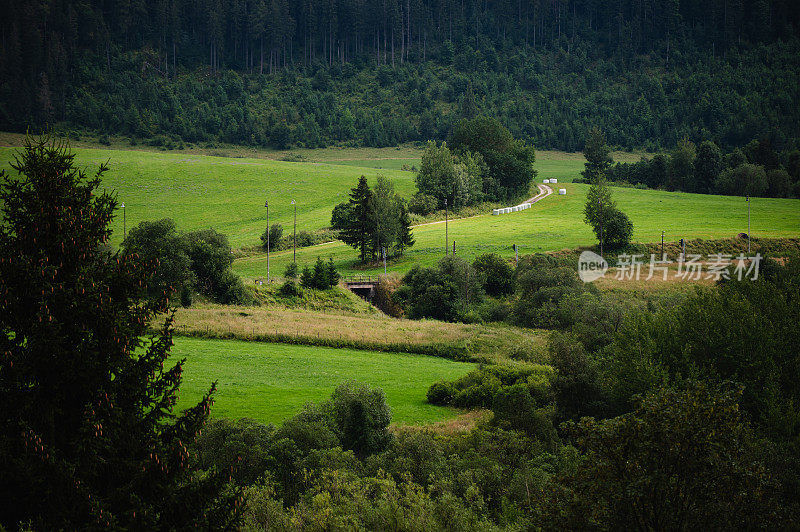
(272, 382)
(226, 193)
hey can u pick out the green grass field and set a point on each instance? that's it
(556, 223)
(272, 382)
(228, 194)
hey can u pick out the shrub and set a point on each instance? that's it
(422, 204)
(231, 290)
(305, 239)
(515, 408)
(481, 393)
(441, 393)
(289, 288)
(497, 274)
(547, 297)
(493, 310)
(275, 233)
(444, 292)
(362, 418)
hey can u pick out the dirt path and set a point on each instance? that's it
(544, 191)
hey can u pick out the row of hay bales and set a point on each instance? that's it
(552, 180)
(506, 210)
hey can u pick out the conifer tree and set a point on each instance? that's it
(358, 229)
(88, 433)
(597, 156)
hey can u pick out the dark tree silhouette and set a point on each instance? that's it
(88, 434)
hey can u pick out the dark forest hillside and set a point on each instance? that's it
(315, 73)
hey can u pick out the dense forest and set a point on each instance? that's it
(313, 73)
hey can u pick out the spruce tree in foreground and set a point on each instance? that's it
(88, 437)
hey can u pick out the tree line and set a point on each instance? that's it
(289, 74)
(756, 169)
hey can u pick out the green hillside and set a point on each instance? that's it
(557, 223)
(227, 194)
(272, 382)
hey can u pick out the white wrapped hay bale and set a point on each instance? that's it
(495, 212)
(562, 191)
(554, 180)
(546, 181)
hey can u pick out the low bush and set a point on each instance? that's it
(321, 277)
(497, 275)
(422, 204)
(289, 288)
(441, 393)
(275, 234)
(478, 388)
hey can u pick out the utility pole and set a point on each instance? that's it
(294, 234)
(446, 238)
(748, 224)
(383, 250)
(124, 223)
(662, 245)
(266, 204)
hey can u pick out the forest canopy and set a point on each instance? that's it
(314, 73)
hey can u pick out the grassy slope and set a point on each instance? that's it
(557, 223)
(270, 382)
(228, 194)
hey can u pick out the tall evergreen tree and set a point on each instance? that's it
(358, 229)
(88, 436)
(597, 156)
